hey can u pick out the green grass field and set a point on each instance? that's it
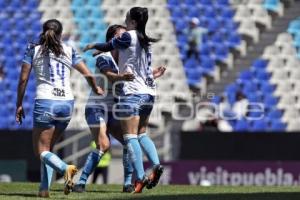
(104, 192)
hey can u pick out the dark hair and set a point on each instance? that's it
(50, 37)
(140, 15)
(111, 31)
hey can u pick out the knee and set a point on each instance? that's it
(103, 146)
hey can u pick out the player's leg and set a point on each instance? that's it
(43, 135)
(42, 142)
(97, 120)
(95, 175)
(46, 170)
(146, 142)
(128, 108)
(114, 129)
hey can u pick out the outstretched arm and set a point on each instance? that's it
(23, 80)
(82, 68)
(113, 77)
(121, 42)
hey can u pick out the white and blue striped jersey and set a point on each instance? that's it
(52, 73)
(103, 62)
(134, 59)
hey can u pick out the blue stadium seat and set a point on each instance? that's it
(207, 64)
(274, 114)
(271, 4)
(241, 125)
(221, 52)
(191, 63)
(191, 2)
(246, 75)
(294, 27)
(262, 75)
(260, 63)
(254, 97)
(222, 2)
(233, 40)
(270, 101)
(278, 126)
(205, 50)
(206, 2)
(266, 87)
(174, 2)
(259, 125)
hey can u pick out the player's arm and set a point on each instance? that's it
(79, 65)
(159, 71)
(113, 76)
(23, 80)
(121, 42)
(82, 68)
(108, 68)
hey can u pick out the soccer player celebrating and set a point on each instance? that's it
(99, 112)
(136, 101)
(52, 62)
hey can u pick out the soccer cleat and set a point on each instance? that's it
(69, 174)
(140, 184)
(79, 188)
(43, 194)
(155, 176)
(128, 188)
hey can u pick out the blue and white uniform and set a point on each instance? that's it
(99, 108)
(138, 95)
(54, 99)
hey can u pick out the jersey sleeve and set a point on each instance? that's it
(76, 58)
(105, 63)
(29, 53)
(122, 42)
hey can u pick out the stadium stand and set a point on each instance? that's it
(217, 47)
(273, 81)
(13, 41)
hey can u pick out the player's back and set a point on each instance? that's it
(103, 62)
(136, 60)
(53, 72)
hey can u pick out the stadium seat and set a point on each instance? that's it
(294, 27)
(278, 126)
(275, 6)
(259, 125)
(241, 125)
(283, 39)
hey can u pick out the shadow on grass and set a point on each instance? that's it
(226, 196)
(16, 194)
(90, 191)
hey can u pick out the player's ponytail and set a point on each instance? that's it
(140, 15)
(50, 39)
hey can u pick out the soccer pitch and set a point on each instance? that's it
(112, 192)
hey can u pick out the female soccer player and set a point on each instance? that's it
(137, 100)
(99, 112)
(52, 62)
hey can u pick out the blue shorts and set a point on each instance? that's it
(135, 105)
(49, 113)
(96, 115)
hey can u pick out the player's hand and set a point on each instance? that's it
(158, 72)
(95, 53)
(20, 114)
(127, 76)
(88, 47)
(98, 90)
